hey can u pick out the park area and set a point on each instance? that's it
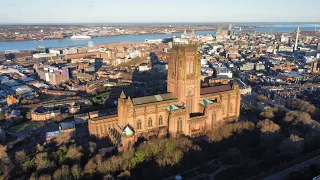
(26, 126)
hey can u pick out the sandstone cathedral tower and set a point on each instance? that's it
(186, 109)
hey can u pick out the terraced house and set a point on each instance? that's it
(186, 109)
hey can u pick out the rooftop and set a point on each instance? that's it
(66, 125)
(215, 89)
(152, 99)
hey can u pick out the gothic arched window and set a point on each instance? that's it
(149, 122)
(139, 124)
(179, 128)
(214, 118)
(223, 109)
(231, 107)
(160, 120)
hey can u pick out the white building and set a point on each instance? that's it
(54, 51)
(308, 59)
(284, 39)
(156, 41)
(143, 67)
(44, 55)
(181, 41)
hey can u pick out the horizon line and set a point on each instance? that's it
(190, 22)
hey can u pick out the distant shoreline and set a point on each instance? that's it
(92, 37)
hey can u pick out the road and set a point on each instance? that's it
(42, 131)
(282, 174)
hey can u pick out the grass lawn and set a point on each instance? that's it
(9, 138)
(26, 126)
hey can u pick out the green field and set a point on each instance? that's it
(26, 126)
(98, 99)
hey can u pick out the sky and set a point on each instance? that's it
(113, 11)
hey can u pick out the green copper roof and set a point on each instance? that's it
(206, 101)
(172, 108)
(127, 131)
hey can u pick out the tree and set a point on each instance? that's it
(76, 172)
(5, 163)
(298, 117)
(62, 173)
(292, 146)
(42, 162)
(268, 127)
(74, 154)
(90, 167)
(124, 175)
(227, 130)
(301, 105)
(28, 115)
(2, 116)
(20, 157)
(45, 177)
(39, 148)
(267, 113)
(28, 165)
(63, 138)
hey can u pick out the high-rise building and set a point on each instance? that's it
(297, 39)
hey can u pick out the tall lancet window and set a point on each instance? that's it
(231, 107)
(179, 125)
(191, 67)
(139, 124)
(189, 101)
(150, 122)
(188, 67)
(214, 118)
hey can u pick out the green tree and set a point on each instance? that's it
(62, 173)
(76, 172)
(42, 162)
(28, 165)
(298, 117)
(301, 105)
(268, 127)
(74, 154)
(267, 113)
(57, 175)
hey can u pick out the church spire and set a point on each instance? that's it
(123, 96)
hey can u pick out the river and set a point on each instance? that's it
(67, 42)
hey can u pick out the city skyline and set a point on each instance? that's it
(143, 11)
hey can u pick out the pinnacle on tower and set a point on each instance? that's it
(123, 96)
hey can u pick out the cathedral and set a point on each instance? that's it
(185, 109)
